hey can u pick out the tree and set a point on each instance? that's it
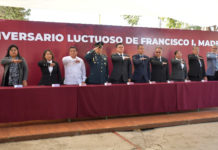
(14, 13)
(193, 27)
(172, 23)
(131, 19)
(176, 24)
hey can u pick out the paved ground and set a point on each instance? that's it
(188, 137)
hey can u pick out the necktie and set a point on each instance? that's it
(200, 62)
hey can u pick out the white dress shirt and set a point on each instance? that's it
(199, 61)
(160, 59)
(75, 73)
(182, 65)
(121, 54)
(50, 68)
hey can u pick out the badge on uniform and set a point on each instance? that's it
(93, 59)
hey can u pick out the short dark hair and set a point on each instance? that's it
(47, 50)
(118, 44)
(176, 52)
(74, 48)
(139, 45)
(158, 47)
(99, 44)
(9, 48)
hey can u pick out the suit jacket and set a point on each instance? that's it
(178, 73)
(160, 72)
(121, 68)
(211, 64)
(194, 67)
(47, 78)
(98, 68)
(141, 68)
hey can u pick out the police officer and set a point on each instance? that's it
(98, 65)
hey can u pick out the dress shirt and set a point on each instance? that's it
(75, 73)
(121, 54)
(50, 68)
(182, 65)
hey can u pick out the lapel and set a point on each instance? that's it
(158, 59)
(118, 54)
(184, 65)
(54, 67)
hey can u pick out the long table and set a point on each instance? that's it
(196, 95)
(37, 103)
(116, 100)
(51, 103)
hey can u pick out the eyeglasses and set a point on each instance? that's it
(157, 52)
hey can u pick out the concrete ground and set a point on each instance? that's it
(187, 137)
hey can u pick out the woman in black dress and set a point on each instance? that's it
(50, 69)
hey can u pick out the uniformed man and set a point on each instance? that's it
(98, 65)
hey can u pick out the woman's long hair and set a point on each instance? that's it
(43, 55)
(9, 48)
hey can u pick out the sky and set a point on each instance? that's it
(89, 18)
(193, 12)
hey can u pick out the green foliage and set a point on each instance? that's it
(176, 24)
(131, 19)
(14, 13)
(193, 27)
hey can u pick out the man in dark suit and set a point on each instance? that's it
(179, 69)
(159, 65)
(212, 64)
(196, 66)
(122, 68)
(98, 65)
(141, 66)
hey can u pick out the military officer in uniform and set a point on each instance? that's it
(98, 65)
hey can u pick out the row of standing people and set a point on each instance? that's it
(16, 70)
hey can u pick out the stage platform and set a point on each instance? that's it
(32, 130)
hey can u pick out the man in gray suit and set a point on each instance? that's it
(122, 67)
(212, 64)
(179, 69)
